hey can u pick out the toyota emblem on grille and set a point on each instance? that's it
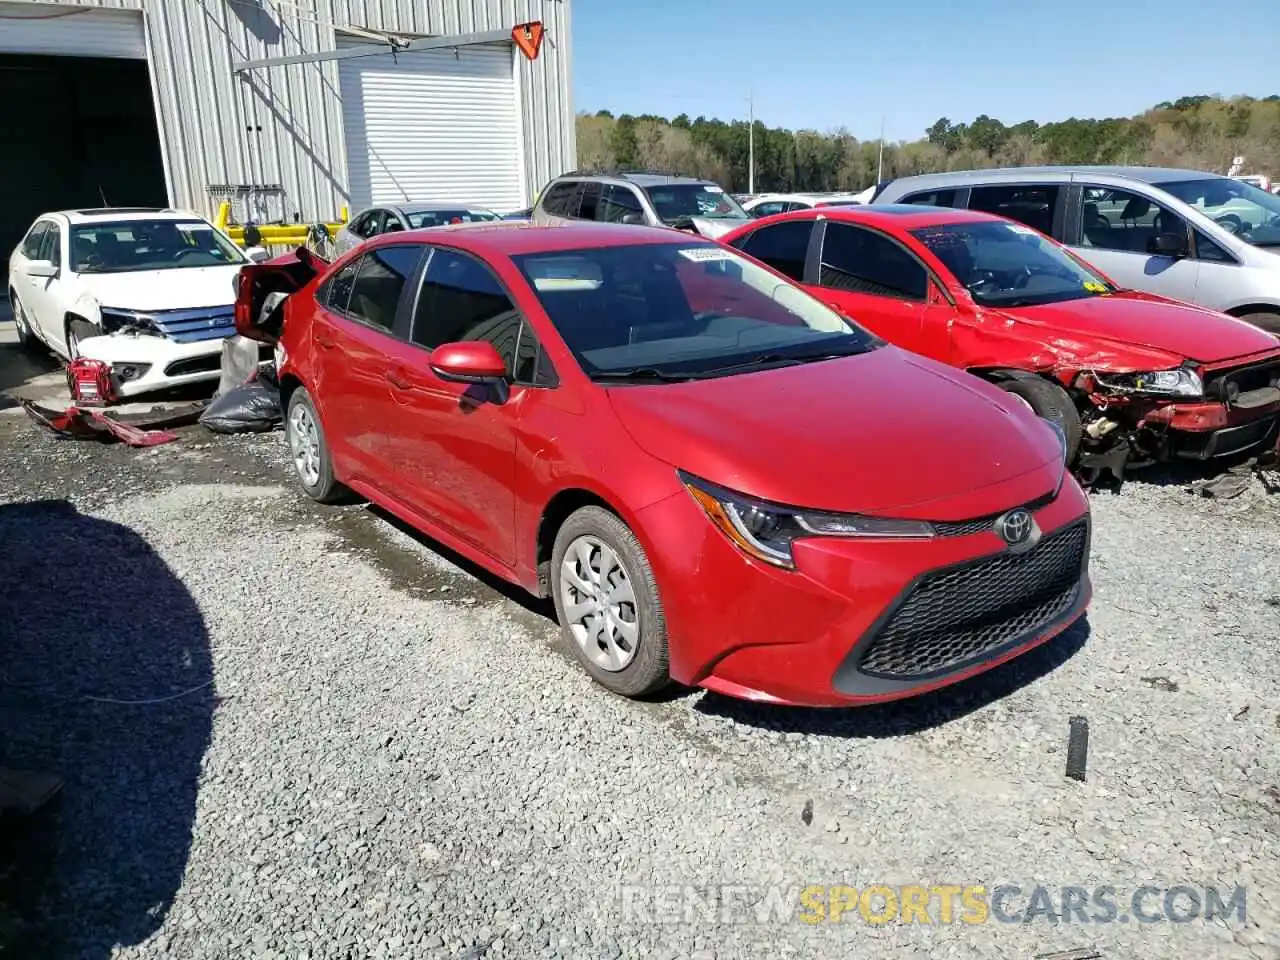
(1016, 527)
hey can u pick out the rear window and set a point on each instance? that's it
(435, 218)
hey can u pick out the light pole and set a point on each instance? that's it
(880, 162)
(751, 142)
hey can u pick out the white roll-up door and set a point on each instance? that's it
(65, 31)
(434, 125)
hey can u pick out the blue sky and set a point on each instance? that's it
(828, 63)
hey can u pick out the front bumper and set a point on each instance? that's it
(817, 635)
(163, 363)
(1204, 430)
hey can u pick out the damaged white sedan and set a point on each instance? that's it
(148, 292)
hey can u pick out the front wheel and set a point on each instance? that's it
(1269, 322)
(310, 450)
(607, 603)
(1052, 403)
(78, 329)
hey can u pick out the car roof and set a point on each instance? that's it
(514, 237)
(1152, 175)
(639, 178)
(117, 214)
(903, 216)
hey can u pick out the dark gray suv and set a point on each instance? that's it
(655, 199)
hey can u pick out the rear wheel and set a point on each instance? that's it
(310, 450)
(26, 337)
(607, 603)
(1269, 322)
(1051, 402)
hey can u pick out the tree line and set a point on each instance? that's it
(1201, 132)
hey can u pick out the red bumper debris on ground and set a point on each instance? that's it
(144, 430)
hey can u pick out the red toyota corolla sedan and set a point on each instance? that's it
(1129, 377)
(719, 479)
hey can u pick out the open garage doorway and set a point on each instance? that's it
(76, 132)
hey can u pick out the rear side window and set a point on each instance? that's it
(380, 282)
(339, 293)
(932, 198)
(1033, 206)
(559, 201)
(782, 246)
(863, 261)
(589, 201)
(31, 245)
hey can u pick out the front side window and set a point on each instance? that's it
(380, 282)
(133, 245)
(932, 198)
(863, 261)
(682, 310)
(31, 245)
(1124, 220)
(674, 202)
(1008, 265)
(770, 208)
(1033, 206)
(588, 201)
(1238, 207)
(617, 202)
(51, 245)
(783, 246)
(561, 199)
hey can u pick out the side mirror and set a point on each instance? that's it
(1168, 245)
(470, 361)
(635, 219)
(258, 254)
(42, 268)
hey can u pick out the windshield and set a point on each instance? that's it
(434, 218)
(682, 310)
(130, 245)
(1251, 214)
(1009, 265)
(679, 201)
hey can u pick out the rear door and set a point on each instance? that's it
(873, 278)
(355, 332)
(783, 245)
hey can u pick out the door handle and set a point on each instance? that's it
(397, 380)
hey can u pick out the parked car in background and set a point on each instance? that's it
(686, 203)
(622, 418)
(768, 204)
(393, 218)
(1197, 237)
(149, 292)
(1129, 377)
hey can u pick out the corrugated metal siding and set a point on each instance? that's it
(86, 33)
(284, 125)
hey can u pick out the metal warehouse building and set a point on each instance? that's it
(160, 102)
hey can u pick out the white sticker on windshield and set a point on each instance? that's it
(712, 188)
(193, 227)
(703, 254)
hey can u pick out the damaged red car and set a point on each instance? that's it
(1129, 377)
(692, 456)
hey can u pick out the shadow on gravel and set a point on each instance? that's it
(19, 366)
(916, 714)
(90, 614)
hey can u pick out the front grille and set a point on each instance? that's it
(1222, 443)
(965, 528)
(1222, 384)
(956, 616)
(192, 326)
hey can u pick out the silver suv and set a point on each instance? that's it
(1197, 237)
(656, 199)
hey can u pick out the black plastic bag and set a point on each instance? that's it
(251, 408)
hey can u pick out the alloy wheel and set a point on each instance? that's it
(599, 603)
(304, 443)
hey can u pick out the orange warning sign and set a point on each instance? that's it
(528, 37)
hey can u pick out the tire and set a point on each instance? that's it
(630, 667)
(1269, 322)
(310, 451)
(27, 339)
(78, 329)
(1050, 401)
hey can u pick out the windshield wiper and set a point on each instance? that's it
(641, 373)
(778, 360)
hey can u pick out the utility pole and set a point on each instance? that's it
(751, 142)
(880, 162)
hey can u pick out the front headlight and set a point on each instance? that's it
(1183, 382)
(767, 531)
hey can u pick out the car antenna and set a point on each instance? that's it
(103, 195)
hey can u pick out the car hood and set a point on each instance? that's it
(1181, 330)
(713, 228)
(163, 289)
(885, 432)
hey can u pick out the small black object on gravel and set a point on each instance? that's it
(1078, 749)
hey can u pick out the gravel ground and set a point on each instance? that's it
(374, 753)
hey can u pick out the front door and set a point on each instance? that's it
(1116, 231)
(453, 445)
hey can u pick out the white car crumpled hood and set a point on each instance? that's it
(175, 289)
